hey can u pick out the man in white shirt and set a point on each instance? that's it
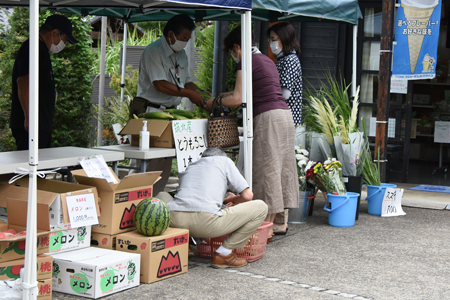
(199, 206)
(164, 80)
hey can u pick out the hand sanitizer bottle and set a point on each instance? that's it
(144, 138)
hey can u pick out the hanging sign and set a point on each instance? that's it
(416, 36)
(190, 141)
(97, 167)
(392, 203)
(82, 210)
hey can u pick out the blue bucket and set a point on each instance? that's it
(342, 209)
(375, 195)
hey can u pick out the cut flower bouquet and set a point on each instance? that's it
(301, 156)
(327, 176)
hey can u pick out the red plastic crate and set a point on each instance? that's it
(253, 250)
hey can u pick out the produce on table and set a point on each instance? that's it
(179, 112)
(2, 235)
(156, 116)
(11, 233)
(151, 217)
(175, 114)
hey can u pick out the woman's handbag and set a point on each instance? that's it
(222, 128)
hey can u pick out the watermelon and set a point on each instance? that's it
(151, 217)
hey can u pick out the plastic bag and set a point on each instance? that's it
(11, 289)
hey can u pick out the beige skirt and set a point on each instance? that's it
(275, 178)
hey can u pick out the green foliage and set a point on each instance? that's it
(205, 69)
(131, 82)
(112, 58)
(72, 80)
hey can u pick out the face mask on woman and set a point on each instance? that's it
(57, 48)
(274, 47)
(178, 45)
(236, 59)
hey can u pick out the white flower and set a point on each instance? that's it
(302, 163)
(300, 156)
(333, 159)
(297, 149)
(309, 164)
(327, 162)
(304, 152)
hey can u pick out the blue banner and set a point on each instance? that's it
(417, 36)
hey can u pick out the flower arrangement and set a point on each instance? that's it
(327, 176)
(301, 156)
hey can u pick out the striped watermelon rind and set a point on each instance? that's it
(151, 217)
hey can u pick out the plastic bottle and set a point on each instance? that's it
(144, 138)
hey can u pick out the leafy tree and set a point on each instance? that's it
(72, 80)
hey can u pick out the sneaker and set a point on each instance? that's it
(227, 261)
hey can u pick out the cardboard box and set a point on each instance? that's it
(105, 241)
(50, 193)
(119, 200)
(13, 248)
(44, 289)
(95, 272)
(11, 269)
(162, 256)
(70, 239)
(160, 132)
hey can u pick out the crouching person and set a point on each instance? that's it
(199, 206)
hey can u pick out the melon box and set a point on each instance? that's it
(70, 239)
(105, 241)
(13, 248)
(95, 272)
(119, 201)
(11, 269)
(162, 256)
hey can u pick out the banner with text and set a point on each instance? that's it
(190, 141)
(417, 36)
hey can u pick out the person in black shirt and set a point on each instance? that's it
(53, 36)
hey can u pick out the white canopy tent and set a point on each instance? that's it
(141, 10)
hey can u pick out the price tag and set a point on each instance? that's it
(392, 203)
(96, 167)
(82, 210)
(190, 141)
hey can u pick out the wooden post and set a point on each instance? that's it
(384, 82)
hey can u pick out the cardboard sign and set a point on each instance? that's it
(190, 141)
(82, 210)
(96, 167)
(392, 203)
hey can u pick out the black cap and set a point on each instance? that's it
(63, 24)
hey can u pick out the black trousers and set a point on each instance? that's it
(21, 136)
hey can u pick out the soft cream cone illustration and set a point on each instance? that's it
(417, 13)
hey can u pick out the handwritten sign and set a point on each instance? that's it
(392, 203)
(190, 141)
(96, 167)
(441, 132)
(82, 210)
(399, 86)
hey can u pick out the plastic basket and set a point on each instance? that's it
(253, 250)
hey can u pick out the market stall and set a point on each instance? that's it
(138, 10)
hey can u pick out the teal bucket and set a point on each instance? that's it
(342, 209)
(375, 195)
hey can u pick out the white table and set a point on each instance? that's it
(145, 155)
(54, 158)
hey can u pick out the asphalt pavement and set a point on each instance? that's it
(405, 257)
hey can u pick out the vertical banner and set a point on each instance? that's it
(417, 36)
(190, 141)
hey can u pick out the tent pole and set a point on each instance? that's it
(29, 282)
(247, 93)
(355, 38)
(124, 59)
(101, 88)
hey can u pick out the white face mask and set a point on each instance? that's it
(178, 45)
(236, 59)
(57, 48)
(274, 47)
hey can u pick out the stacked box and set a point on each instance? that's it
(162, 256)
(95, 272)
(105, 241)
(119, 201)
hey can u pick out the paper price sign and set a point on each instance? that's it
(96, 167)
(392, 203)
(82, 210)
(190, 141)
